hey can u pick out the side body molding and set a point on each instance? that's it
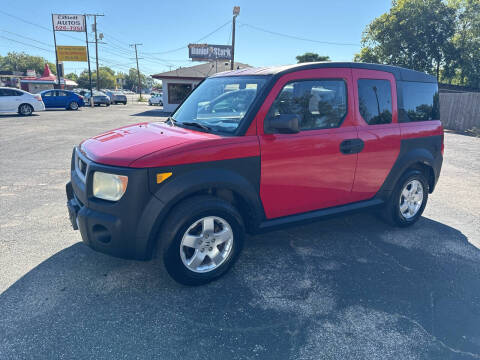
(424, 150)
(240, 176)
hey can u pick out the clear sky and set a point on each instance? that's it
(166, 27)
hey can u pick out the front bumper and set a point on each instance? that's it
(122, 228)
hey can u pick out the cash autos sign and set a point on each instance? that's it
(71, 53)
(205, 52)
(68, 22)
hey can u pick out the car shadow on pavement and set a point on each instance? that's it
(153, 112)
(6, 116)
(349, 287)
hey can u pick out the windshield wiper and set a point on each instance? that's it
(201, 126)
(171, 120)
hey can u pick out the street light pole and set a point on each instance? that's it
(236, 12)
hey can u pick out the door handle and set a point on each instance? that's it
(351, 146)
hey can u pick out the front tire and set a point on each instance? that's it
(25, 109)
(201, 240)
(408, 200)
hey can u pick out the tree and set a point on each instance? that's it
(463, 60)
(72, 76)
(311, 57)
(107, 78)
(414, 34)
(14, 61)
(131, 79)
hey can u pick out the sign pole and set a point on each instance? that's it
(56, 55)
(88, 58)
(236, 12)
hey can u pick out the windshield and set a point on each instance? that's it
(219, 103)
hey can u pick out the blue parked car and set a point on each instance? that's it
(62, 99)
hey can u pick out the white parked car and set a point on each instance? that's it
(16, 100)
(156, 99)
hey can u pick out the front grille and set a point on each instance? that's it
(82, 167)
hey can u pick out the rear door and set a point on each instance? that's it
(378, 128)
(307, 171)
(48, 99)
(10, 100)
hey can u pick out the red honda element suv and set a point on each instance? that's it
(254, 149)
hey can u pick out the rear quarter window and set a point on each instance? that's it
(417, 101)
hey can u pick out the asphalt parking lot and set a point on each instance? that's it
(346, 288)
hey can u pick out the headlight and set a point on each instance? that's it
(109, 186)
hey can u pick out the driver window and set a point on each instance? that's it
(319, 104)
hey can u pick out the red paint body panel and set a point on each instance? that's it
(382, 142)
(306, 171)
(123, 146)
(221, 148)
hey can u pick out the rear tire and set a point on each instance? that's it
(408, 200)
(73, 105)
(213, 231)
(25, 109)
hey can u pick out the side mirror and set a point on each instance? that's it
(283, 124)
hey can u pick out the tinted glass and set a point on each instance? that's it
(49, 93)
(417, 101)
(219, 103)
(61, 93)
(8, 92)
(319, 104)
(375, 101)
(178, 92)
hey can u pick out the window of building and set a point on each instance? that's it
(417, 101)
(178, 92)
(375, 101)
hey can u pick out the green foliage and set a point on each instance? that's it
(72, 76)
(463, 60)
(414, 33)
(441, 37)
(107, 78)
(14, 61)
(311, 57)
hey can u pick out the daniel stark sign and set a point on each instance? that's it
(68, 22)
(205, 52)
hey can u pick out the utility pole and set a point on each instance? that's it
(236, 12)
(88, 57)
(56, 54)
(138, 70)
(96, 48)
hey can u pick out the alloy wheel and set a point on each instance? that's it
(411, 199)
(206, 244)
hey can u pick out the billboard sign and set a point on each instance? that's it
(71, 53)
(62, 22)
(206, 52)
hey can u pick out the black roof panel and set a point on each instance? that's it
(401, 74)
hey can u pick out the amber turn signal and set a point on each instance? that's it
(163, 176)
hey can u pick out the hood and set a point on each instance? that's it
(123, 146)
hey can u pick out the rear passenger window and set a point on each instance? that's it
(319, 104)
(417, 101)
(375, 101)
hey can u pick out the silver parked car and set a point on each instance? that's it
(99, 98)
(117, 97)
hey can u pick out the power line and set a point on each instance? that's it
(37, 25)
(297, 37)
(183, 47)
(26, 37)
(21, 42)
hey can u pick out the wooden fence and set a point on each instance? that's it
(460, 111)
